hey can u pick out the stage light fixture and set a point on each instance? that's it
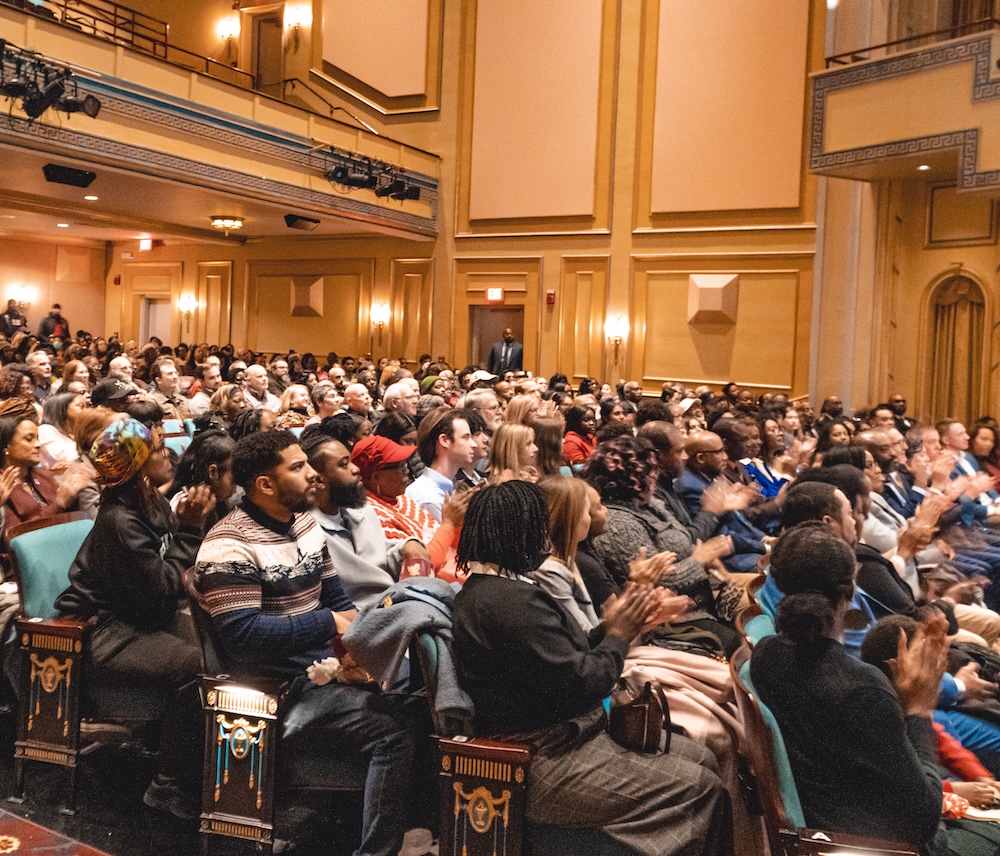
(16, 87)
(41, 85)
(36, 103)
(391, 189)
(353, 175)
(89, 105)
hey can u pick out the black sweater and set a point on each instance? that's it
(131, 567)
(524, 660)
(860, 765)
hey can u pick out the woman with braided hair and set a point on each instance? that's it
(537, 677)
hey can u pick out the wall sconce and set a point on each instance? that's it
(380, 314)
(616, 328)
(297, 16)
(23, 294)
(187, 303)
(228, 29)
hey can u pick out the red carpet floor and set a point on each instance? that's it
(24, 837)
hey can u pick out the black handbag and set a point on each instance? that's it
(636, 721)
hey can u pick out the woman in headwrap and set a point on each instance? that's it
(129, 578)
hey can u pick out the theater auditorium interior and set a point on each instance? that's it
(762, 216)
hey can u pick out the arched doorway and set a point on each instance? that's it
(957, 338)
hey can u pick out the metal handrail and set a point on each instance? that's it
(143, 38)
(864, 54)
(296, 81)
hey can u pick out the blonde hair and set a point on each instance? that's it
(566, 499)
(286, 396)
(506, 445)
(518, 410)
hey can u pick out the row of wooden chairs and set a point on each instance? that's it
(243, 721)
(243, 759)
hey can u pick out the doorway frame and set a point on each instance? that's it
(248, 25)
(133, 290)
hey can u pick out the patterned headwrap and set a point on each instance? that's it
(119, 453)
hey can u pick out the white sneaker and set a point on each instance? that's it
(418, 842)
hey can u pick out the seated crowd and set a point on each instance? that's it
(593, 535)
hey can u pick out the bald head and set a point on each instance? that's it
(357, 398)
(706, 453)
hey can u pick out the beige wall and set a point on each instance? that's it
(69, 274)
(738, 154)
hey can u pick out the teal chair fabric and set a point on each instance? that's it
(44, 557)
(759, 627)
(177, 444)
(782, 766)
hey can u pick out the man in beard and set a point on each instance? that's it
(366, 561)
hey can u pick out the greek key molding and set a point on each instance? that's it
(979, 50)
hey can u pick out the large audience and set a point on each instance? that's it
(584, 533)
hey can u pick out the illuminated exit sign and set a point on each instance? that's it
(494, 295)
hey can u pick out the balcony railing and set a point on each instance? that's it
(116, 23)
(899, 45)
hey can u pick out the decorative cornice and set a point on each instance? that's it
(979, 50)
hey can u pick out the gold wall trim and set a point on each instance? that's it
(764, 227)
(541, 234)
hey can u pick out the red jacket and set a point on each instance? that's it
(576, 447)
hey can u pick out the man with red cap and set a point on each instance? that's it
(384, 474)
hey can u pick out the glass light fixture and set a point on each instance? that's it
(227, 223)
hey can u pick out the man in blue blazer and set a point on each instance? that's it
(506, 356)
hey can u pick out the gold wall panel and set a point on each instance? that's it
(344, 326)
(213, 321)
(521, 280)
(70, 275)
(741, 163)
(537, 116)
(149, 279)
(959, 219)
(411, 301)
(766, 348)
(746, 151)
(581, 303)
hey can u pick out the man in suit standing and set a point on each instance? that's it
(506, 356)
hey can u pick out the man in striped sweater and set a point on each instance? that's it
(265, 577)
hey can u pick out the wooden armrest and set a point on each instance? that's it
(816, 842)
(60, 626)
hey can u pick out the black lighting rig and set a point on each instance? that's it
(35, 84)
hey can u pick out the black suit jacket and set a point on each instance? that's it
(515, 363)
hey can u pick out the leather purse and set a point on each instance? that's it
(636, 721)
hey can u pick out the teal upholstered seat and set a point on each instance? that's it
(44, 556)
(779, 755)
